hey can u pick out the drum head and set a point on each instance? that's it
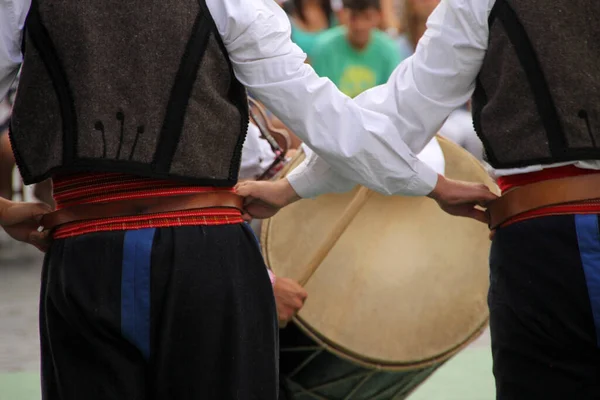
(404, 286)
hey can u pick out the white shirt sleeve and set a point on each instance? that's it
(12, 19)
(320, 179)
(257, 154)
(358, 143)
(315, 177)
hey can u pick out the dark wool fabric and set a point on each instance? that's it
(556, 42)
(544, 299)
(183, 313)
(98, 97)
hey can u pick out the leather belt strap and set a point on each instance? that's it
(134, 207)
(542, 194)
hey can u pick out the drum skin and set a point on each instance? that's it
(402, 290)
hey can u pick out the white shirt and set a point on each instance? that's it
(433, 156)
(372, 139)
(257, 154)
(459, 129)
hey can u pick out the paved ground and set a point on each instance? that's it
(467, 377)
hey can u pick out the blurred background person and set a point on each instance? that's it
(356, 56)
(390, 22)
(416, 13)
(309, 20)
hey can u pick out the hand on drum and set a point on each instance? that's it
(289, 298)
(264, 199)
(22, 220)
(462, 198)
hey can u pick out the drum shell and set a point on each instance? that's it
(309, 371)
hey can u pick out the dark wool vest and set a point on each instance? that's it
(140, 87)
(537, 98)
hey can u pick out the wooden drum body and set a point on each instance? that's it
(401, 291)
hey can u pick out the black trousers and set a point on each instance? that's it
(170, 313)
(545, 309)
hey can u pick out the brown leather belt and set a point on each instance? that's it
(133, 207)
(537, 195)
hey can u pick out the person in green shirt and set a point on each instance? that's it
(357, 56)
(309, 19)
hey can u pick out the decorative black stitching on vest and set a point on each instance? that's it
(43, 43)
(480, 99)
(181, 92)
(583, 114)
(535, 75)
(140, 131)
(99, 126)
(121, 119)
(120, 116)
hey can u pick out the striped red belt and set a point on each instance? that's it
(83, 189)
(588, 207)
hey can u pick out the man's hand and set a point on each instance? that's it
(22, 221)
(461, 198)
(265, 199)
(289, 298)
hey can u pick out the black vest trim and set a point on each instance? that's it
(535, 75)
(43, 43)
(237, 95)
(181, 92)
(480, 98)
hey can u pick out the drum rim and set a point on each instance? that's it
(376, 364)
(361, 360)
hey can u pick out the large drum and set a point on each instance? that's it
(398, 288)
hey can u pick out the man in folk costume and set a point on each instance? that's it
(533, 71)
(153, 287)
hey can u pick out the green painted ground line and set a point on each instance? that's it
(20, 386)
(466, 377)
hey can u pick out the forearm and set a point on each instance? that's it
(314, 177)
(4, 206)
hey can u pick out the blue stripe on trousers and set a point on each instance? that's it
(247, 225)
(135, 288)
(588, 237)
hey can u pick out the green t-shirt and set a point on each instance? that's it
(306, 40)
(352, 71)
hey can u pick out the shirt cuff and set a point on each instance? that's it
(423, 182)
(315, 177)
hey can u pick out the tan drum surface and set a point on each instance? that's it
(405, 285)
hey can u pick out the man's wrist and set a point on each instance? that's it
(289, 194)
(4, 205)
(436, 193)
